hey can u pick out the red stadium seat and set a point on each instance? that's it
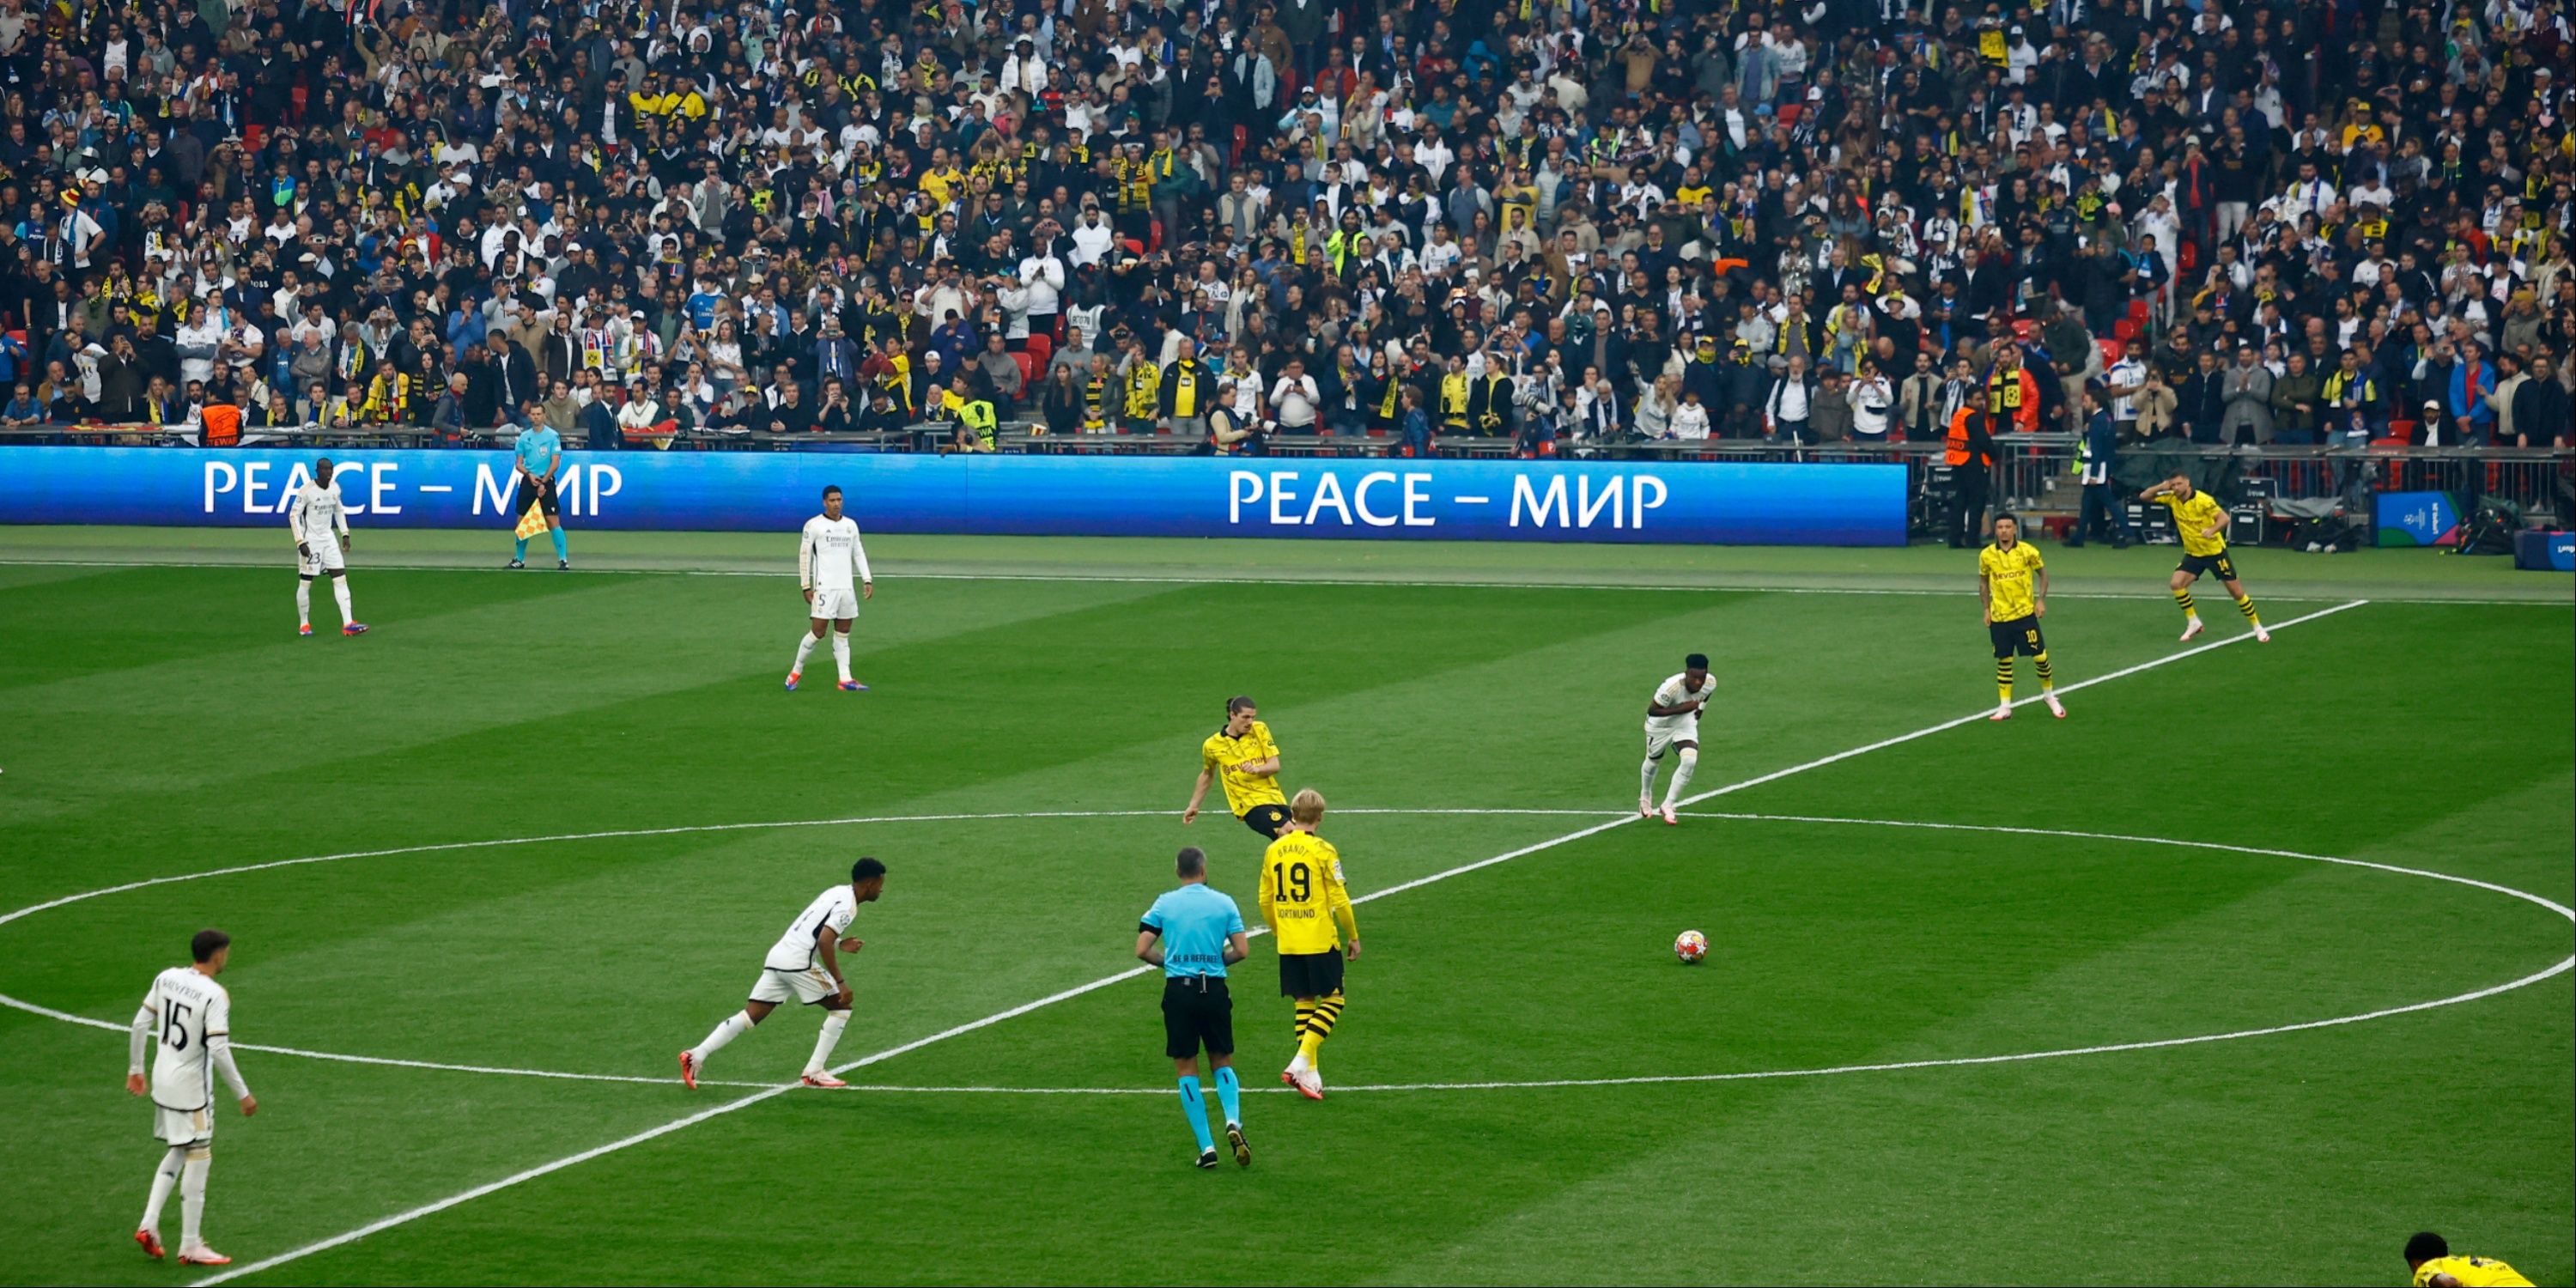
(1154, 242)
(297, 98)
(2139, 312)
(1041, 348)
(2111, 350)
(1028, 369)
(2189, 257)
(1134, 247)
(2124, 330)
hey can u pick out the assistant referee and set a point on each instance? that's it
(1194, 933)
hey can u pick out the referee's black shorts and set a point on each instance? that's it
(1310, 974)
(1266, 819)
(1197, 1012)
(543, 494)
(2020, 635)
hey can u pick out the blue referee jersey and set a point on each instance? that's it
(1195, 921)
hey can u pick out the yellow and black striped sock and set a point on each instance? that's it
(1328, 1012)
(2245, 605)
(1305, 1018)
(2047, 677)
(2182, 600)
(2004, 678)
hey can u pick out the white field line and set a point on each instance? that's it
(2553, 906)
(744, 1102)
(2396, 595)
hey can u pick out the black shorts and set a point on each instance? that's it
(2020, 635)
(543, 494)
(1197, 1012)
(2218, 563)
(1266, 819)
(1310, 974)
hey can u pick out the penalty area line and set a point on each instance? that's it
(744, 1102)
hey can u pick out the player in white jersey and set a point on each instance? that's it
(1672, 723)
(803, 966)
(832, 567)
(194, 1016)
(321, 527)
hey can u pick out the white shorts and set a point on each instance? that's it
(1658, 739)
(838, 605)
(183, 1126)
(325, 559)
(803, 987)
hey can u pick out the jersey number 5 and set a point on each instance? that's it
(174, 1034)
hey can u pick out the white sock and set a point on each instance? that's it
(1681, 777)
(1646, 779)
(734, 1026)
(833, 1023)
(163, 1177)
(340, 591)
(841, 653)
(805, 642)
(192, 1200)
(303, 603)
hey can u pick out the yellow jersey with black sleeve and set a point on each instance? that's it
(2194, 515)
(1303, 896)
(2011, 579)
(1243, 792)
(2472, 1272)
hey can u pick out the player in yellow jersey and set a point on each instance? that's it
(2429, 1256)
(1245, 758)
(2203, 528)
(1309, 911)
(2012, 583)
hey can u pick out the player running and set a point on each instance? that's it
(1193, 932)
(803, 966)
(321, 527)
(194, 1015)
(2012, 583)
(1672, 722)
(2429, 1256)
(1308, 907)
(1246, 758)
(832, 567)
(540, 459)
(2204, 549)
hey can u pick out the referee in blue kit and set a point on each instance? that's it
(1194, 933)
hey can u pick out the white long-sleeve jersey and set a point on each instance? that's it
(317, 517)
(832, 557)
(194, 1015)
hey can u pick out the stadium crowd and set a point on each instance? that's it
(1538, 220)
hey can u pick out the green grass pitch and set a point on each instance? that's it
(1042, 701)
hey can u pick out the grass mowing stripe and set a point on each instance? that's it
(2397, 595)
(544, 1169)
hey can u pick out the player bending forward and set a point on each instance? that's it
(1672, 721)
(832, 566)
(321, 527)
(2429, 1256)
(2203, 528)
(2012, 583)
(1309, 910)
(803, 966)
(194, 1015)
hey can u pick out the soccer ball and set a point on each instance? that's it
(1691, 946)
